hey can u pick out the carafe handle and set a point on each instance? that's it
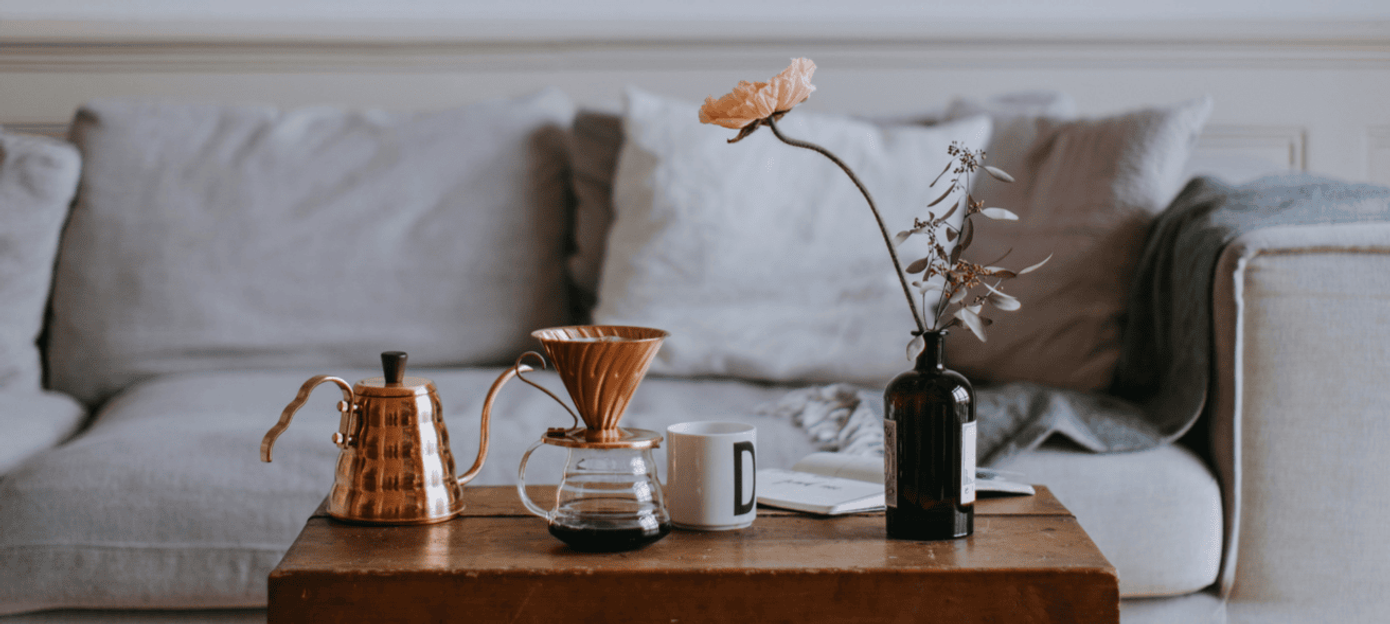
(345, 425)
(531, 505)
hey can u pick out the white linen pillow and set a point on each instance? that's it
(211, 237)
(762, 259)
(38, 178)
(1086, 191)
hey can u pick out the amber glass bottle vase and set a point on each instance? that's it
(929, 449)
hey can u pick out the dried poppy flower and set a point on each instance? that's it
(752, 102)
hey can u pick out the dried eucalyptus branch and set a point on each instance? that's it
(752, 105)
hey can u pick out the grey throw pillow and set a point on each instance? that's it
(1086, 191)
(232, 237)
(595, 142)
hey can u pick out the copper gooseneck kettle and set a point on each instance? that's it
(395, 466)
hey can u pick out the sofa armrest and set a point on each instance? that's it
(33, 421)
(1301, 318)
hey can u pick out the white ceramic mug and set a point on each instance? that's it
(711, 478)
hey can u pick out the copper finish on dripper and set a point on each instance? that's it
(601, 366)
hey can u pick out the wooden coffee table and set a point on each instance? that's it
(1028, 561)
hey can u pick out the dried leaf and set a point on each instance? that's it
(999, 214)
(901, 237)
(943, 197)
(915, 347)
(1036, 266)
(955, 255)
(950, 212)
(1002, 301)
(998, 174)
(999, 259)
(943, 172)
(959, 296)
(967, 234)
(918, 266)
(972, 321)
(950, 234)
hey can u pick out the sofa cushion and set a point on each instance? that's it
(1155, 514)
(595, 142)
(762, 259)
(1086, 191)
(235, 237)
(597, 137)
(38, 178)
(164, 503)
(34, 421)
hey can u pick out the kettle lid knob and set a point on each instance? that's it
(393, 366)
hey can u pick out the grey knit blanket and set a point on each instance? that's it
(1162, 378)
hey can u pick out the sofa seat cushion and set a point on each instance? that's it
(1155, 514)
(34, 421)
(164, 503)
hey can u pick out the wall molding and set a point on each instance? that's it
(511, 45)
(1282, 145)
(56, 130)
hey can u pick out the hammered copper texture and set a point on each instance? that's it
(601, 366)
(399, 469)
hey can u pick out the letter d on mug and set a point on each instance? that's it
(711, 478)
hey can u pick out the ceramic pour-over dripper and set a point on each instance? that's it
(601, 366)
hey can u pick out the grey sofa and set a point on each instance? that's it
(213, 258)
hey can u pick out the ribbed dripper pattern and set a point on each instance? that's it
(601, 366)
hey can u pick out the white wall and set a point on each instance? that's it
(1297, 83)
(734, 10)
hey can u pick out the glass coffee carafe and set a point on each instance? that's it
(609, 498)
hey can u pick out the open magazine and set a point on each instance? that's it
(837, 483)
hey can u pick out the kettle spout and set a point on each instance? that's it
(487, 416)
(345, 406)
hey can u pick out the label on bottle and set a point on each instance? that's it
(890, 462)
(967, 463)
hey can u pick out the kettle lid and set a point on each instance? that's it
(393, 382)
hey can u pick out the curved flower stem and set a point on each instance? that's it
(883, 229)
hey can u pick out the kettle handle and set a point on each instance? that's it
(345, 406)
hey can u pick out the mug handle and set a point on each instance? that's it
(531, 505)
(741, 507)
